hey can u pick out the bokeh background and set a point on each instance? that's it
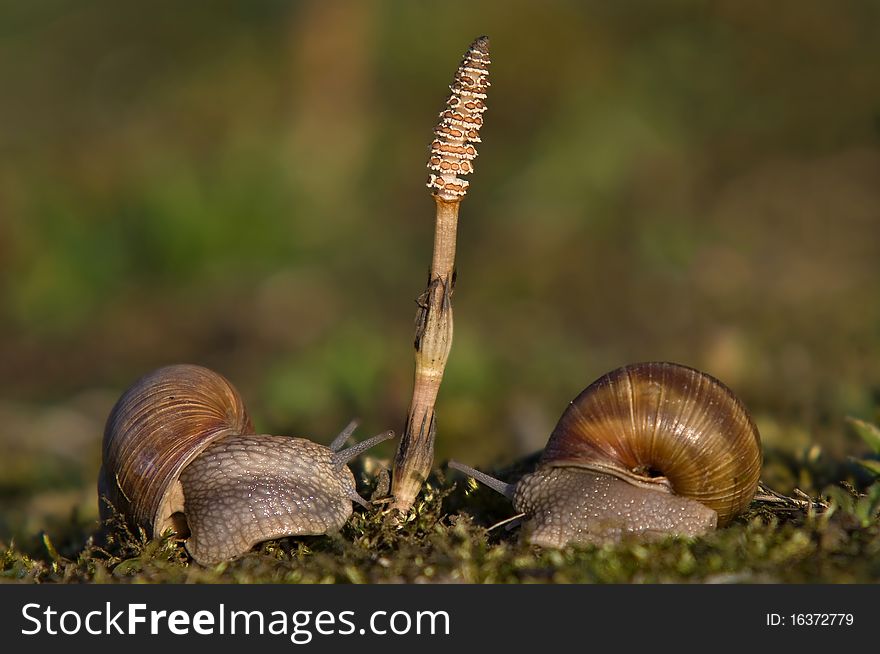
(241, 185)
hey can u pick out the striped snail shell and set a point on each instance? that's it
(649, 448)
(180, 453)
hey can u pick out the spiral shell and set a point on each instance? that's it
(453, 151)
(663, 423)
(158, 426)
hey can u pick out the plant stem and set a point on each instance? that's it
(452, 154)
(433, 340)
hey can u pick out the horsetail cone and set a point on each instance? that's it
(453, 151)
(452, 154)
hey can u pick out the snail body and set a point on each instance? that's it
(650, 449)
(180, 453)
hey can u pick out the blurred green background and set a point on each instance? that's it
(241, 185)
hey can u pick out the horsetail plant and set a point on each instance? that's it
(452, 155)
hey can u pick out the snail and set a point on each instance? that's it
(649, 449)
(179, 452)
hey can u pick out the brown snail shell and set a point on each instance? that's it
(664, 423)
(649, 448)
(158, 427)
(180, 453)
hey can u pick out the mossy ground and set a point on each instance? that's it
(835, 538)
(218, 190)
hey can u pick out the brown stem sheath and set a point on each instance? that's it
(433, 340)
(452, 155)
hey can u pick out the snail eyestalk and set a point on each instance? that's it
(344, 435)
(452, 155)
(342, 457)
(487, 480)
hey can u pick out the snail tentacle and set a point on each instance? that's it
(355, 497)
(344, 435)
(488, 480)
(342, 457)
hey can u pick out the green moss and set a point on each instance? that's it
(447, 539)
